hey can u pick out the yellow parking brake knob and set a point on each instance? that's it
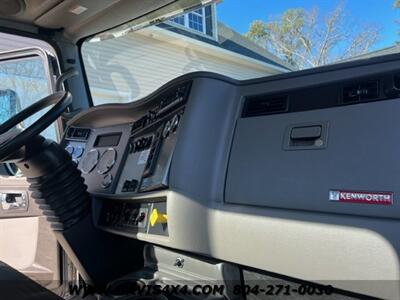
(157, 218)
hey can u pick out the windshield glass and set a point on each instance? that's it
(242, 41)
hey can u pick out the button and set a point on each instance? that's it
(107, 180)
(69, 149)
(78, 151)
(157, 218)
(141, 217)
(130, 185)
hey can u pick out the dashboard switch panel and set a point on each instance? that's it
(129, 217)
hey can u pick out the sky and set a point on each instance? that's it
(238, 14)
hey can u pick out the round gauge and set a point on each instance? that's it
(107, 161)
(89, 162)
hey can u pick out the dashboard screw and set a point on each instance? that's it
(319, 143)
(179, 262)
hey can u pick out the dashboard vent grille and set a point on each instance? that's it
(139, 124)
(364, 91)
(78, 133)
(260, 106)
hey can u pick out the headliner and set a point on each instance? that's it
(81, 18)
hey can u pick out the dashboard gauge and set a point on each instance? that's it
(89, 162)
(107, 161)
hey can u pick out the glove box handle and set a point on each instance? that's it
(306, 136)
(306, 132)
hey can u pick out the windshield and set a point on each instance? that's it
(242, 41)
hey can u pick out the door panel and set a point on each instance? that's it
(27, 242)
(18, 241)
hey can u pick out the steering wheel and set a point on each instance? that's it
(12, 140)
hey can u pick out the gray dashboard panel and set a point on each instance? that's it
(212, 210)
(202, 150)
(361, 154)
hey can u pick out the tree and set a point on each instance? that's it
(304, 39)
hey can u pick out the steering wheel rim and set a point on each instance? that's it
(59, 100)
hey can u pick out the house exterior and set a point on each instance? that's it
(132, 66)
(384, 51)
(394, 49)
(152, 56)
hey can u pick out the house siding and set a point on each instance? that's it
(12, 42)
(135, 65)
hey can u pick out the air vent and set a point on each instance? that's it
(78, 133)
(260, 106)
(139, 124)
(364, 91)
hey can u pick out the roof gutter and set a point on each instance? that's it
(178, 39)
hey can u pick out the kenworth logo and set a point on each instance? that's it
(382, 198)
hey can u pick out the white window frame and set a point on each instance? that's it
(203, 19)
(204, 33)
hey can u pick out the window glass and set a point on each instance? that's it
(23, 82)
(241, 41)
(196, 20)
(180, 20)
